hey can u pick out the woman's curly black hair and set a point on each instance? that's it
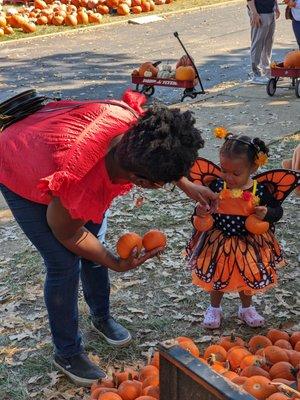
(239, 145)
(162, 146)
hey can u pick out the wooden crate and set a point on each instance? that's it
(184, 377)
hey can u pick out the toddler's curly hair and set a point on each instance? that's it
(162, 146)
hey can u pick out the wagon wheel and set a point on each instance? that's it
(297, 88)
(189, 92)
(148, 90)
(271, 86)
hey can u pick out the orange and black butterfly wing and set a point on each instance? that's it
(256, 259)
(281, 182)
(213, 249)
(204, 172)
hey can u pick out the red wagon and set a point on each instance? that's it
(279, 71)
(146, 85)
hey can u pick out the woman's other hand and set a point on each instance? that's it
(135, 260)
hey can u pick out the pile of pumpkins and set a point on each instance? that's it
(267, 367)
(183, 71)
(69, 12)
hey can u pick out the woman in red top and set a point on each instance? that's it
(60, 168)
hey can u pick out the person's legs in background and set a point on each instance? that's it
(268, 43)
(258, 39)
(296, 29)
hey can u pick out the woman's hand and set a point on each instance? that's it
(135, 260)
(261, 212)
(206, 198)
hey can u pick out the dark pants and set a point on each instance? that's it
(296, 28)
(63, 270)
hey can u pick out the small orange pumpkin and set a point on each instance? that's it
(82, 17)
(253, 370)
(203, 223)
(109, 396)
(29, 27)
(283, 369)
(251, 360)
(294, 357)
(185, 73)
(283, 344)
(130, 390)
(259, 387)
(295, 337)
(278, 396)
(128, 374)
(137, 10)
(255, 225)
(189, 345)
(136, 3)
(230, 341)
(95, 18)
(217, 351)
(42, 20)
(127, 243)
(146, 7)
(8, 30)
(276, 334)
(112, 3)
(148, 70)
(147, 371)
(297, 346)
(123, 9)
(258, 342)
(151, 381)
(153, 239)
(236, 355)
(145, 398)
(103, 9)
(275, 354)
(71, 20)
(151, 391)
(95, 394)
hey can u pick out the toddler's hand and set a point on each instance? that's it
(261, 212)
(201, 210)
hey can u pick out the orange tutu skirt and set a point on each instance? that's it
(234, 263)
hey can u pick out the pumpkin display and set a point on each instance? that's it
(153, 239)
(127, 243)
(148, 70)
(292, 59)
(255, 225)
(203, 223)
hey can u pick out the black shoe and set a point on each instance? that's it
(113, 332)
(80, 369)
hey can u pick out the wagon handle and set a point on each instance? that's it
(190, 58)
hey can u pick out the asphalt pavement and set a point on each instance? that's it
(97, 63)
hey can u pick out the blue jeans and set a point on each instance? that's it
(296, 28)
(63, 271)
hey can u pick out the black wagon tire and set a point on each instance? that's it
(271, 87)
(297, 88)
(148, 90)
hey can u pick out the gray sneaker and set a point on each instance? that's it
(259, 80)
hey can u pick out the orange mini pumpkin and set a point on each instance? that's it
(137, 10)
(130, 390)
(255, 225)
(147, 371)
(101, 390)
(185, 73)
(109, 396)
(29, 27)
(71, 20)
(145, 398)
(258, 342)
(230, 341)
(153, 239)
(277, 334)
(148, 70)
(217, 351)
(123, 9)
(284, 344)
(103, 9)
(275, 354)
(295, 337)
(151, 381)
(189, 345)
(278, 396)
(259, 387)
(283, 369)
(146, 7)
(203, 223)
(235, 356)
(127, 243)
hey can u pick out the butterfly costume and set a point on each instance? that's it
(228, 257)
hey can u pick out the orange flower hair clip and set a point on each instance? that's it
(221, 132)
(261, 159)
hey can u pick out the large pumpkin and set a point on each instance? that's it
(292, 59)
(185, 73)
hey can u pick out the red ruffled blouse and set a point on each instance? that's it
(60, 151)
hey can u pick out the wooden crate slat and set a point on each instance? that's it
(184, 377)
